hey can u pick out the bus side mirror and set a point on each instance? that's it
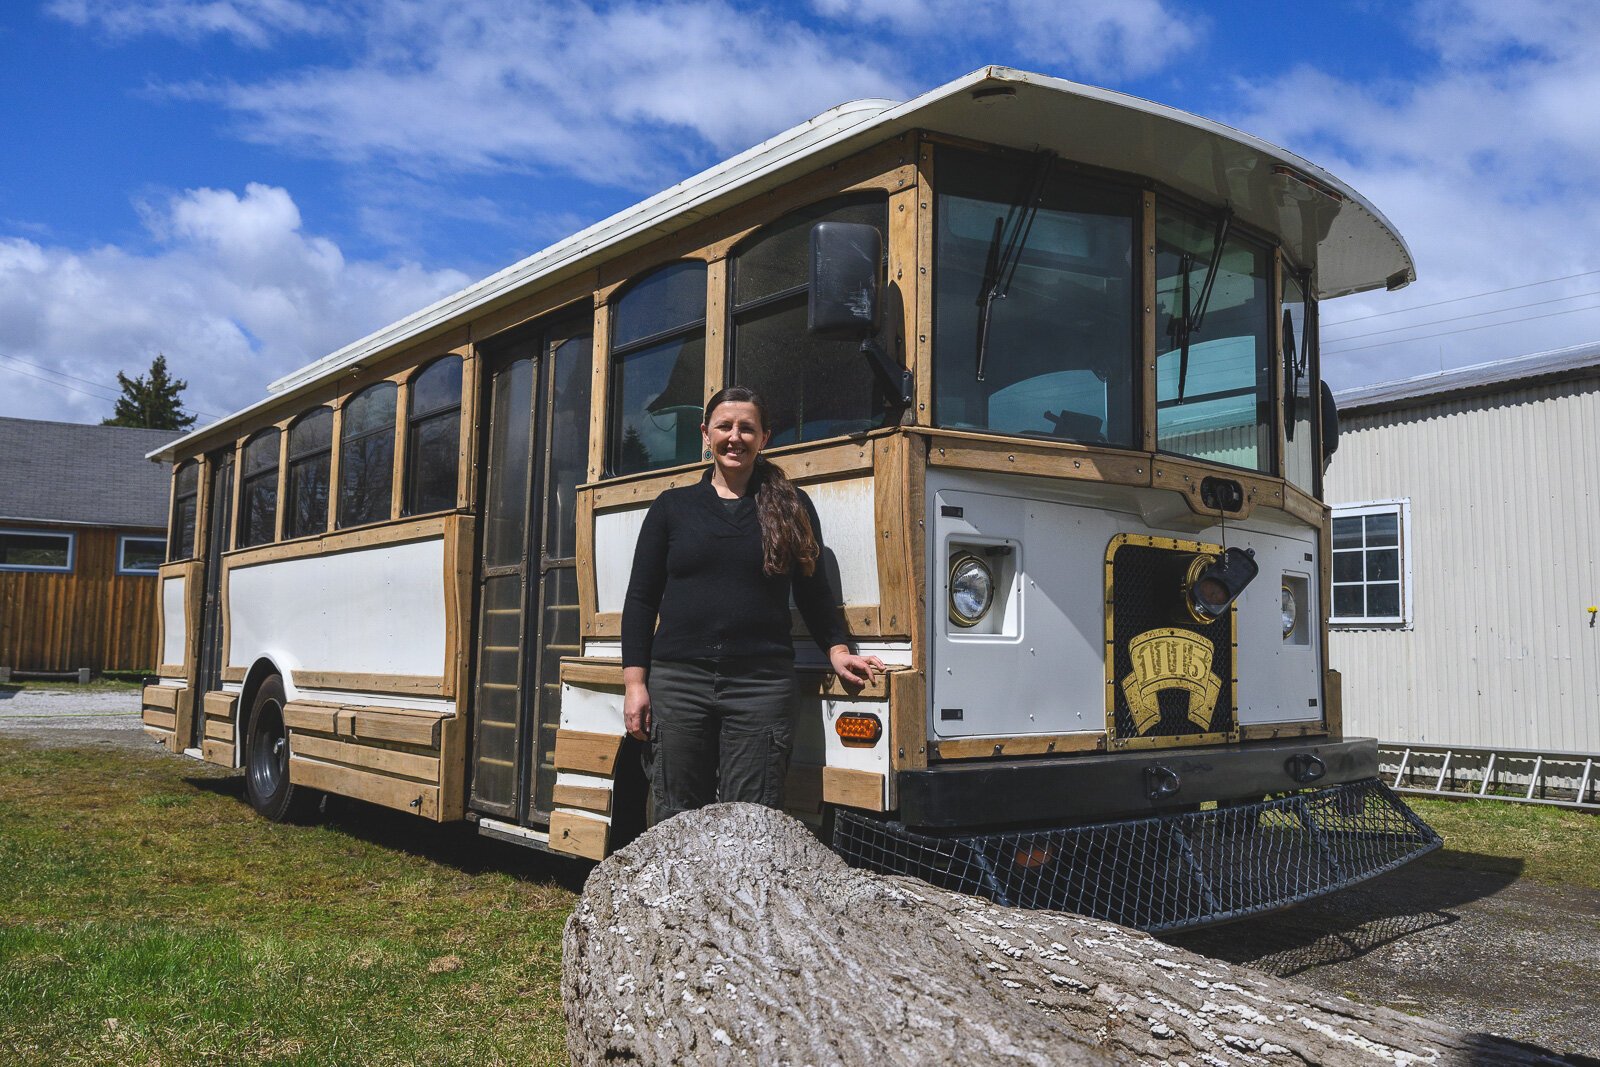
(845, 260)
(1330, 426)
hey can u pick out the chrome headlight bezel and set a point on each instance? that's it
(1290, 609)
(966, 569)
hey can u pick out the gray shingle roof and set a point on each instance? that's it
(70, 473)
(1576, 361)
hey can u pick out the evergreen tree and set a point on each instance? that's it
(151, 401)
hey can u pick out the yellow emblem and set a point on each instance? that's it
(1170, 658)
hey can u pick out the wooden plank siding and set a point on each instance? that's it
(89, 617)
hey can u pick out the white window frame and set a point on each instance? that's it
(122, 542)
(72, 551)
(1401, 508)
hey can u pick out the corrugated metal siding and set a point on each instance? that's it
(1505, 516)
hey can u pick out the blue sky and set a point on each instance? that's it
(246, 185)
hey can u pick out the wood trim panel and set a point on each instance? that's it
(1185, 477)
(920, 347)
(178, 670)
(335, 451)
(218, 752)
(419, 798)
(460, 545)
(280, 519)
(552, 298)
(588, 591)
(591, 672)
(403, 684)
(304, 715)
(234, 674)
(809, 461)
(588, 797)
(163, 737)
(219, 730)
(369, 757)
(402, 408)
(1304, 506)
(908, 723)
(392, 532)
(1045, 459)
(220, 705)
(606, 624)
(893, 534)
(588, 753)
(821, 682)
(579, 835)
(902, 292)
(1147, 376)
(1055, 744)
(400, 725)
(717, 325)
(1333, 702)
(165, 720)
(230, 536)
(852, 788)
(467, 457)
(160, 696)
(1269, 730)
(599, 382)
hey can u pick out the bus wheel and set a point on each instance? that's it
(266, 759)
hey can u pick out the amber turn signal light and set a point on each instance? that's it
(858, 729)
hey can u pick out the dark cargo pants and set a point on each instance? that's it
(720, 730)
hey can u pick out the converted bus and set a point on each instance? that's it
(1044, 357)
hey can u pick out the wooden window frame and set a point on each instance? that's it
(288, 462)
(244, 479)
(410, 421)
(336, 489)
(614, 353)
(178, 496)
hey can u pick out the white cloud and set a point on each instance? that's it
(254, 23)
(1486, 163)
(1080, 38)
(622, 94)
(235, 294)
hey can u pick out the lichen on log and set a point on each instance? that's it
(732, 935)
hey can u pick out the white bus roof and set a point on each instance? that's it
(1320, 220)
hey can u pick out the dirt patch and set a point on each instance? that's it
(1455, 936)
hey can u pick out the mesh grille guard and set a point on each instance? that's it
(1165, 872)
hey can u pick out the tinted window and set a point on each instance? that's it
(185, 490)
(258, 489)
(658, 370)
(22, 550)
(366, 456)
(140, 555)
(310, 449)
(433, 445)
(813, 387)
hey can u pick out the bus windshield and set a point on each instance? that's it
(1033, 316)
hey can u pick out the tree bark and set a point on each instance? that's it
(731, 935)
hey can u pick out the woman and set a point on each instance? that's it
(716, 562)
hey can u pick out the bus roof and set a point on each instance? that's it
(1322, 222)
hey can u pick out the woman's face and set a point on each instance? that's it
(735, 436)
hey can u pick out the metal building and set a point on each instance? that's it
(1467, 515)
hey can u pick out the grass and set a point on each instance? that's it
(1556, 846)
(105, 683)
(149, 917)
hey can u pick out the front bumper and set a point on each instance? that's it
(1075, 789)
(1162, 872)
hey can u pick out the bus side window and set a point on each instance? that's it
(658, 358)
(310, 450)
(814, 387)
(366, 456)
(258, 489)
(433, 437)
(185, 494)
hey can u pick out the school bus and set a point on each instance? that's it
(1043, 355)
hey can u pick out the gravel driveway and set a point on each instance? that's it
(1454, 936)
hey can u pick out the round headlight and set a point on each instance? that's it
(971, 590)
(1291, 611)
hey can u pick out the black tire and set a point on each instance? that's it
(266, 759)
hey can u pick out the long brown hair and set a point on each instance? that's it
(787, 540)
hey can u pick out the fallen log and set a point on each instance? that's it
(731, 935)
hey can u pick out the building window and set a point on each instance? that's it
(366, 456)
(258, 490)
(433, 437)
(33, 550)
(814, 387)
(1372, 563)
(658, 359)
(185, 493)
(310, 449)
(139, 555)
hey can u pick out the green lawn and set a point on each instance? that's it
(148, 916)
(1557, 846)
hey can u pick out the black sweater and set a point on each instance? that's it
(698, 569)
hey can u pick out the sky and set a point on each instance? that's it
(247, 185)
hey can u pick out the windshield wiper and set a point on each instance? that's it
(1194, 312)
(1002, 261)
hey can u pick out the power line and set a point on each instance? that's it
(108, 391)
(59, 373)
(52, 381)
(1464, 329)
(1457, 299)
(1459, 318)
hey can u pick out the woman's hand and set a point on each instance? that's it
(854, 669)
(635, 704)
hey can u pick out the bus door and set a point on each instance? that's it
(219, 518)
(536, 453)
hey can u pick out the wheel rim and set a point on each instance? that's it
(269, 751)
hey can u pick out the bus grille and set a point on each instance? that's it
(1167, 872)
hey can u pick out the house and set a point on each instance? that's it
(83, 520)
(1466, 556)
